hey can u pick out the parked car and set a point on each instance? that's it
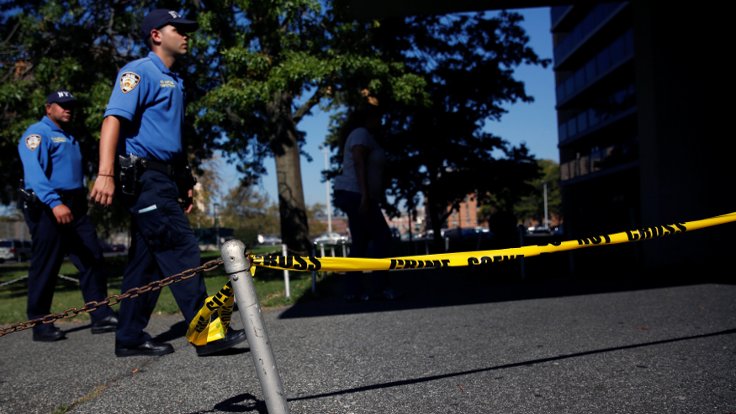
(429, 234)
(268, 240)
(19, 250)
(539, 231)
(331, 238)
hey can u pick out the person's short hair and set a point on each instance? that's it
(159, 18)
(62, 96)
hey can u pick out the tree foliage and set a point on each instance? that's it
(531, 207)
(440, 146)
(249, 213)
(47, 45)
(255, 70)
(274, 63)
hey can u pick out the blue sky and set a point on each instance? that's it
(534, 124)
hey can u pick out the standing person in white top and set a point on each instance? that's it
(358, 192)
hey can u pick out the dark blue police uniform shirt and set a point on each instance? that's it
(51, 161)
(151, 97)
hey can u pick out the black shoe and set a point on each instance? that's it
(106, 324)
(49, 334)
(231, 339)
(148, 348)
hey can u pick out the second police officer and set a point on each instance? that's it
(55, 210)
(143, 126)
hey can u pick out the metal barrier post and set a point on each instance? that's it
(237, 266)
(286, 273)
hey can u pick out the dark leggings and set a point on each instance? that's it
(371, 238)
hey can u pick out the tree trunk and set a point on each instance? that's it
(292, 209)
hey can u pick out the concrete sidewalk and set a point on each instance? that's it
(665, 349)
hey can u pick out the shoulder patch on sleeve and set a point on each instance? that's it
(128, 81)
(33, 141)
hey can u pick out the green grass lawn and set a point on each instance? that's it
(269, 288)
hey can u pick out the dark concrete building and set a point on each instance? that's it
(644, 129)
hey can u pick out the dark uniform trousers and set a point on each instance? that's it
(51, 242)
(162, 244)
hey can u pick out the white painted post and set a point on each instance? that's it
(286, 273)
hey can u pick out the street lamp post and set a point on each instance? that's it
(546, 211)
(328, 188)
(215, 207)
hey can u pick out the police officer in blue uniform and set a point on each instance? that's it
(143, 127)
(55, 209)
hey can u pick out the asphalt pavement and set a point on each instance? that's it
(558, 346)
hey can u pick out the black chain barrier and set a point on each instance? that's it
(114, 299)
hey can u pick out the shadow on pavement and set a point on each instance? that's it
(463, 286)
(177, 330)
(243, 403)
(506, 366)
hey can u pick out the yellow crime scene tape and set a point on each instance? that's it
(212, 320)
(475, 258)
(204, 328)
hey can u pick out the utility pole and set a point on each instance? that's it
(328, 187)
(546, 212)
(216, 206)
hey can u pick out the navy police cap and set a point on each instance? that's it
(159, 18)
(61, 96)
